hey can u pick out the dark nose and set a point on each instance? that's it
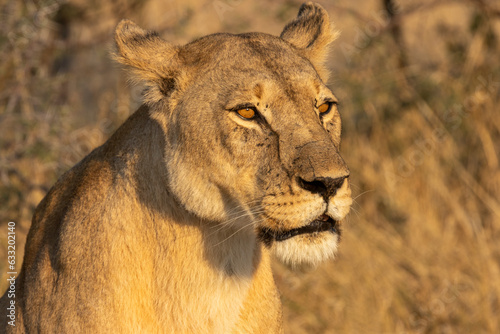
(325, 186)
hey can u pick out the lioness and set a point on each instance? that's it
(168, 227)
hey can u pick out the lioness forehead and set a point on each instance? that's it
(245, 52)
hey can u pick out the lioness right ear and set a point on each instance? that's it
(311, 33)
(150, 58)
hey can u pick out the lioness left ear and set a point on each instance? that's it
(312, 33)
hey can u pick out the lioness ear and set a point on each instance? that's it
(312, 33)
(151, 59)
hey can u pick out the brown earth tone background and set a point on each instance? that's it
(419, 84)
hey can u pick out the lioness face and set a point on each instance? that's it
(266, 146)
(253, 138)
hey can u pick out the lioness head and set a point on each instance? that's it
(252, 132)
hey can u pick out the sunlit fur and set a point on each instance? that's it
(157, 230)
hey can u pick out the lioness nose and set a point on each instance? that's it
(325, 186)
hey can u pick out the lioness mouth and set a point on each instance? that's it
(321, 224)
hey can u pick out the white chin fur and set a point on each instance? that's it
(306, 249)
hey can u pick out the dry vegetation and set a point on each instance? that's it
(420, 91)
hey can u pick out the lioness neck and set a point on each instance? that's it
(212, 271)
(144, 178)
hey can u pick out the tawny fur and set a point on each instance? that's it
(156, 231)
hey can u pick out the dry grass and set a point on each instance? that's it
(420, 251)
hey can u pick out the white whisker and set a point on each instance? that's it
(364, 192)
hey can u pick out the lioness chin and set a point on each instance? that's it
(168, 227)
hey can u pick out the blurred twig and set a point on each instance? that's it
(486, 7)
(415, 9)
(8, 173)
(394, 16)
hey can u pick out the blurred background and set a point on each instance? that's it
(419, 85)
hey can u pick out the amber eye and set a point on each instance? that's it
(247, 113)
(325, 107)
